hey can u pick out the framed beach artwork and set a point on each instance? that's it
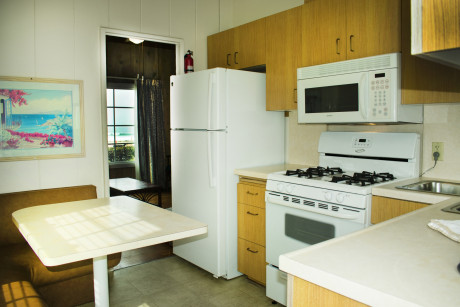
(41, 118)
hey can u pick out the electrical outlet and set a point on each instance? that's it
(438, 147)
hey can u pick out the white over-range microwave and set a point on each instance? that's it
(366, 90)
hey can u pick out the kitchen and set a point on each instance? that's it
(36, 53)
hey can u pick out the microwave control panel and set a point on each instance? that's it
(380, 95)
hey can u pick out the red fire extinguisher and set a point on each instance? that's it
(188, 62)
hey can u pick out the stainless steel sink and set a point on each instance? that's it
(438, 187)
(455, 208)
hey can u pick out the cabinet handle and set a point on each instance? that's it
(295, 95)
(250, 193)
(337, 50)
(228, 63)
(250, 250)
(235, 58)
(351, 46)
(250, 213)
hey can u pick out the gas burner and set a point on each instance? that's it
(313, 172)
(363, 178)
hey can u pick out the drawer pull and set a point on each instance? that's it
(249, 212)
(250, 250)
(250, 193)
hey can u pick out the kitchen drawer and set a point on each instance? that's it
(251, 260)
(251, 223)
(251, 194)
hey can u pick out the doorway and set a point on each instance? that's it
(126, 58)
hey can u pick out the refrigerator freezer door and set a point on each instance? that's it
(198, 193)
(198, 100)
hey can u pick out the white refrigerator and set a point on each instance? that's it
(218, 124)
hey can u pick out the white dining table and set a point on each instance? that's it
(92, 229)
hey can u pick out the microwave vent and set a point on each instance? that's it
(378, 62)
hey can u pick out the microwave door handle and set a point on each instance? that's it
(363, 97)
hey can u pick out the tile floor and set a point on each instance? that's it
(172, 281)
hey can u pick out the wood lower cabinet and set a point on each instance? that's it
(384, 208)
(251, 229)
(251, 260)
(306, 294)
(283, 57)
(337, 30)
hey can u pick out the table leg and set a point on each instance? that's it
(101, 282)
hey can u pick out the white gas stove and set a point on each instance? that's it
(308, 206)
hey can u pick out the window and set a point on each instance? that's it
(121, 121)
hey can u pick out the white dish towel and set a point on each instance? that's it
(449, 228)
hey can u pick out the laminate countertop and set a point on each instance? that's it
(400, 262)
(261, 172)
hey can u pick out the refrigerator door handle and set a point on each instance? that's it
(212, 178)
(210, 84)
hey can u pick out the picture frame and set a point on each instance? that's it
(41, 119)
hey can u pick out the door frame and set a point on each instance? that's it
(180, 51)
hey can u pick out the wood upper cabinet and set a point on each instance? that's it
(337, 30)
(220, 49)
(323, 32)
(425, 81)
(384, 208)
(283, 56)
(250, 44)
(239, 47)
(440, 24)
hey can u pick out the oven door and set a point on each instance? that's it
(289, 228)
(333, 99)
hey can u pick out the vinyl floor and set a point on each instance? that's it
(172, 281)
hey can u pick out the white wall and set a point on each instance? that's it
(245, 11)
(60, 39)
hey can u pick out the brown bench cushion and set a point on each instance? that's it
(21, 255)
(11, 202)
(16, 290)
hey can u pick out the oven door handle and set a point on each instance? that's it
(311, 209)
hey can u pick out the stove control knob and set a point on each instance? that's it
(280, 187)
(289, 188)
(340, 197)
(327, 196)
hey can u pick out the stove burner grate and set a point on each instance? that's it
(314, 172)
(363, 178)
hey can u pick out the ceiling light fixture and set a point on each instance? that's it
(136, 40)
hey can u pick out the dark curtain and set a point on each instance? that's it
(151, 132)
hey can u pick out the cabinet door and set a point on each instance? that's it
(323, 32)
(220, 49)
(251, 223)
(305, 294)
(384, 208)
(249, 44)
(424, 81)
(373, 27)
(440, 24)
(283, 53)
(251, 260)
(251, 194)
